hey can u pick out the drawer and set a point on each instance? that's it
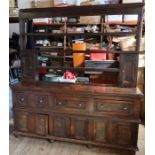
(32, 99)
(114, 107)
(21, 99)
(41, 99)
(71, 103)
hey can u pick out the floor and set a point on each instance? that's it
(32, 146)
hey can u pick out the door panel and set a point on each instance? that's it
(100, 130)
(59, 125)
(80, 128)
(31, 123)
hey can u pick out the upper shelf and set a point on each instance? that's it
(72, 11)
(84, 34)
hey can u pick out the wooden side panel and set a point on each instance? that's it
(128, 70)
(28, 67)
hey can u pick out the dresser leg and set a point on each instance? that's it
(16, 135)
(132, 152)
(89, 146)
(51, 140)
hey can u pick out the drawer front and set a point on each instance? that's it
(71, 103)
(32, 99)
(41, 100)
(114, 107)
(21, 99)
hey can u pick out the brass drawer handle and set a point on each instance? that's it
(80, 105)
(125, 108)
(22, 99)
(60, 103)
(41, 101)
(101, 106)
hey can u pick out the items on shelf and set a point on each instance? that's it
(78, 58)
(55, 20)
(97, 56)
(99, 64)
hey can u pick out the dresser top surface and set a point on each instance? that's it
(86, 89)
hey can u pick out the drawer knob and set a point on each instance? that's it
(101, 106)
(41, 101)
(22, 99)
(60, 103)
(80, 105)
(125, 108)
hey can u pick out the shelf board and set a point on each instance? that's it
(44, 34)
(88, 51)
(104, 34)
(48, 24)
(82, 34)
(84, 69)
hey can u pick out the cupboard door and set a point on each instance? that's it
(100, 130)
(80, 128)
(128, 70)
(21, 121)
(32, 123)
(42, 124)
(123, 133)
(59, 125)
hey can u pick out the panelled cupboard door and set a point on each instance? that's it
(21, 121)
(81, 128)
(122, 133)
(59, 125)
(32, 123)
(100, 129)
(128, 70)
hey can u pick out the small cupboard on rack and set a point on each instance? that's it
(73, 71)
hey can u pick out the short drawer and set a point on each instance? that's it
(71, 103)
(21, 99)
(32, 99)
(41, 99)
(114, 107)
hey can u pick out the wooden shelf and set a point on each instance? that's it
(82, 34)
(48, 24)
(84, 69)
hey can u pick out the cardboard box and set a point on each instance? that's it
(13, 12)
(12, 3)
(89, 2)
(132, 1)
(140, 77)
(90, 19)
(141, 62)
(42, 4)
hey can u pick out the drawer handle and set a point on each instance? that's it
(41, 101)
(60, 103)
(101, 106)
(80, 105)
(22, 99)
(125, 108)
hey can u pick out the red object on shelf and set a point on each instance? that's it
(98, 56)
(69, 75)
(43, 70)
